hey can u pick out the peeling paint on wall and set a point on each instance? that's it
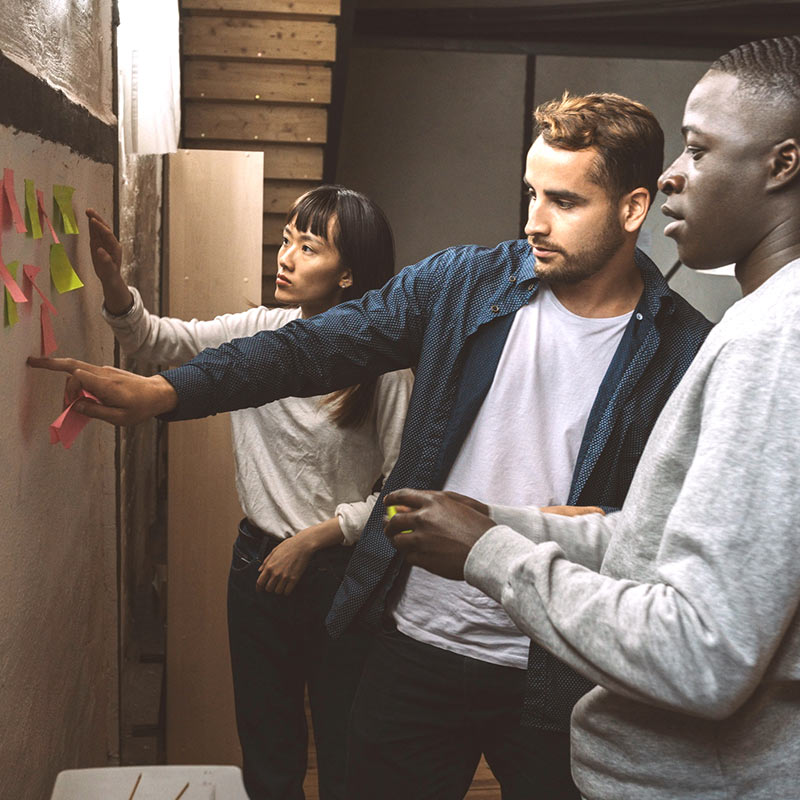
(66, 43)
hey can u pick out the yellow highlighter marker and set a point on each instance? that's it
(390, 512)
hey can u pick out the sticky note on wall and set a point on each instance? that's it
(12, 318)
(32, 208)
(63, 197)
(65, 279)
(8, 187)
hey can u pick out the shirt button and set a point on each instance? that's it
(639, 316)
(495, 309)
(512, 278)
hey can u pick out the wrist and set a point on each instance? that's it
(117, 297)
(165, 398)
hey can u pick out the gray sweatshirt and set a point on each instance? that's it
(683, 606)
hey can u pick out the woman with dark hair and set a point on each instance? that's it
(306, 468)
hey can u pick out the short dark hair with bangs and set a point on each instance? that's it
(363, 238)
(627, 137)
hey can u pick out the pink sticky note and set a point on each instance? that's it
(40, 199)
(31, 272)
(70, 423)
(8, 185)
(49, 343)
(17, 295)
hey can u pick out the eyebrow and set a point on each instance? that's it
(691, 129)
(559, 194)
(306, 236)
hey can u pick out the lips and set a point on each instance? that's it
(282, 280)
(672, 226)
(543, 249)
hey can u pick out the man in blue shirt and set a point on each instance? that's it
(541, 366)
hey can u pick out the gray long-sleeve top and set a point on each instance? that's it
(683, 606)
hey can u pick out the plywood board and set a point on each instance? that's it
(247, 80)
(289, 161)
(214, 250)
(242, 122)
(327, 8)
(249, 37)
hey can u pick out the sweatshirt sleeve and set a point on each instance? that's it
(587, 547)
(700, 635)
(392, 395)
(168, 340)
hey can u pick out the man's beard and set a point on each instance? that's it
(572, 268)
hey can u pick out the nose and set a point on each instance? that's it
(286, 257)
(537, 220)
(672, 181)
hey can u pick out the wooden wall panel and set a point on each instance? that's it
(253, 37)
(323, 8)
(251, 122)
(279, 195)
(245, 80)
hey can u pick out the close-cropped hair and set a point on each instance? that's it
(627, 137)
(768, 67)
(363, 239)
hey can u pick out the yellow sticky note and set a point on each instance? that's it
(12, 318)
(65, 279)
(63, 196)
(32, 209)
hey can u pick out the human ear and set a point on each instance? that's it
(633, 209)
(345, 279)
(784, 164)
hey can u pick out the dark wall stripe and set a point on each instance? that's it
(31, 105)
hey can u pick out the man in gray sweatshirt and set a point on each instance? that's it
(683, 606)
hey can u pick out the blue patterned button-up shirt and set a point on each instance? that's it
(448, 317)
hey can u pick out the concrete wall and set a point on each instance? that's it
(67, 43)
(58, 549)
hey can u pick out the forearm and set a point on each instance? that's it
(322, 535)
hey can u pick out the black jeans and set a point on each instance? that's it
(278, 645)
(422, 716)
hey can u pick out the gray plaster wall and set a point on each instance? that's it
(436, 138)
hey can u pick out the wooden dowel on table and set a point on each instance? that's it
(180, 793)
(135, 786)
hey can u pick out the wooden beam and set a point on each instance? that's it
(273, 229)
(246, 80)
(269, 261)
(279, 195)
(257, 123)
(324, 8)
(286, 161)
(243, 37)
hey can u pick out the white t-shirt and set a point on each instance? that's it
(521, 450)
(294, 466)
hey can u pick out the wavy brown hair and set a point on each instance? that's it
(627, 137)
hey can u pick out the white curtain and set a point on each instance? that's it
(149, 76)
